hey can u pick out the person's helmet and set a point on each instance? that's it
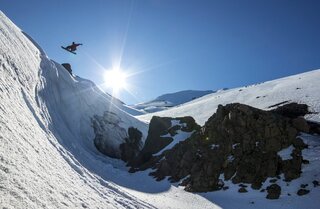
(73, 43)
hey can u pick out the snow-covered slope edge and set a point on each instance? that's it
(47, 158)
(300, 88)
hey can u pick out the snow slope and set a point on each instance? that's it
(166, 101)
(47, 156)
(301, 88)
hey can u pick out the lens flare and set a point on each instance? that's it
(115, 79)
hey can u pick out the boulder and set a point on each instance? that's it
(302, 192)
(242, 190)
(274, 191)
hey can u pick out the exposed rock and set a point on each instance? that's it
(242, 190)
(301, 124)
(292, 110)
(274, 191)
(67, 66)
(303, 192)
(239, 141)
(161, 131)
(109, 134)
(133, 144)
(315, 183)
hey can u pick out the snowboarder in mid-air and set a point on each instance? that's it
(71, 48)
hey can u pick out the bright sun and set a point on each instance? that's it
(115, 79)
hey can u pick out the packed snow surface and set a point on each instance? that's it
(47, 156)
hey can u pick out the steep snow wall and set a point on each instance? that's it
(47, 156)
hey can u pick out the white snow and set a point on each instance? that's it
(301, 88)
(47, 156)
(285, 154)
(167, 101)
(180, 136)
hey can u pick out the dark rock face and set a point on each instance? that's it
(133, 144)
(238, 141)
(292, 110)
(67, 66)
(161, 131)
(274, 191)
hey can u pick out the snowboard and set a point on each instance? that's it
(68, 50)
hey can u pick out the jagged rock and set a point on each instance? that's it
(274, 191)
(303, 192)
(133, 144)
(67, 66)
(161, 131)
(239, 141)
(315, 183)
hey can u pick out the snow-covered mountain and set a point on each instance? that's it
(167, 101)
(301, 88)
(47, 155)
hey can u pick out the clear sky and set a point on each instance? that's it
(176, 45)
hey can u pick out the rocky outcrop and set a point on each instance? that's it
(160, 135)
(292, 110)
(132, 146)
(238, 143)
(67, 66)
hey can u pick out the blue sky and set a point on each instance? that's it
(176, 45)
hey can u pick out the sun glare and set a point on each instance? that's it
(115, 79)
